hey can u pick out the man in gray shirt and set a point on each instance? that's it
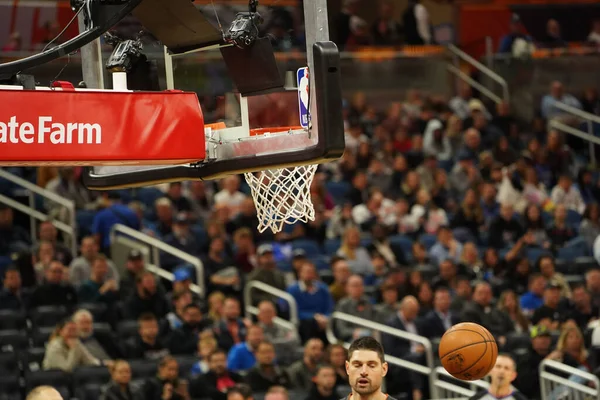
(357, 304)
(284, 340)
(81, 267)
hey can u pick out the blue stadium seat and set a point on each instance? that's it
(32, 359)
(85, 220)
(573, 219)
(143, 368)
(91, 391)
(332, 246)
(185, 365)
(573, 249)
(321, 262)
(366, 240)
(428, 240)
(200, 234)
(311, 247)
(98, 310)
(338, 190)
(534, 253)
(401, 246)
(41, 336)
(127, 329)
(88, 375)
(584, 264)
(8, 363)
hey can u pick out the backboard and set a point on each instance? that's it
(252, 121)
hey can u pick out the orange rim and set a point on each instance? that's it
(275, 129)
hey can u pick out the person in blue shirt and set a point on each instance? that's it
(241, 357)
(314, 302)
(114, 213)
(534, 298)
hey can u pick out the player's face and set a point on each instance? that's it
(504, 372)
(365, 371)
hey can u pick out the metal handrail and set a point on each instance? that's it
(588, 117)
(292, 324)
(485, 70)
(428, 370)
(547, 379)
(577, 112)
(157, 246)
(454, 388)
(482, 89)
(32, 189)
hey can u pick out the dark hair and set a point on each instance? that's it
(178, 295)
(12, 268)
(165, 360)
(367, 343)
(217, 351)
(322, 367)
(146, 317)
(192, 305)
(241, 388)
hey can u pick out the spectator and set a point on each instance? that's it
(386, 31)
(230, 196)
(441, 318)
(589, 229)
(417, 24)
(546, 266)
(207, 344)
(336, 357)
(14, 43)
(550, 314)
(583, 312)
(166, 384)
(134, 267)
(267, 273)
(65, 351)
(119, 387)
(570, 349)
(12, 237)
(446, 247)
(48, 233)
(146, 299)
(180, 202)
(534, 298)
(553, 37)
(516, 43)
(242, 356)
(54, 291)
(184, 340)
(164, 215)
(479, 311)
(508, 304)
(324, 384)
(594, 36)
(81, 267)
(100, 345)
(462, 294)
(277, 393)
(99, 289)
(566, 194)
(389, 304)
(183, 283)
(231, 329)
(505, 230)
(114, 213)
(220, 271)
(181, 238)
(201, 197)
(528, 380)
(217, 381)
(560, 232)
(356, 304)
(180, 299)
(284, 340)
(44, 393)
(265, 373)
(315, 304)
(146, 344)
(341, 273)
(215, 306)
(302, 371)
(13, 296)
(239, 392)
(557, 94)
(68, 185)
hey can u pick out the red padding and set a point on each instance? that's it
(64, 85)
(100, 128)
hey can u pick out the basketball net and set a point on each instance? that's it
(282, 196)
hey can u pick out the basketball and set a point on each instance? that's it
(468, 351)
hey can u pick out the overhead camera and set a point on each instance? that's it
(243, 31)
(125, 56)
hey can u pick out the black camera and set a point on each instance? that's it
(243, 31)
(125, 56)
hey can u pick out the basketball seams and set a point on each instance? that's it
(476, 361)
(462, 347)
(464, 330)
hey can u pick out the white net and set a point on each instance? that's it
(282, 196)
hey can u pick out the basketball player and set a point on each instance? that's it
(502, 375)
(366, 368)
(44, 393)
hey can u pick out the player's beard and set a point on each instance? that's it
(365, 389)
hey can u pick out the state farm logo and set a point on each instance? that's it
(46, 131)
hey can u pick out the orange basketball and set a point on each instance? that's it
(468, 351)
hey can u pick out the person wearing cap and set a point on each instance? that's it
(516, 42)
(133, 267)
(182, 281)
(534, 297)
(12, 237)
(184, 340)
(540, 347)
(298, 258)
(266, 272)
(551, 314)
(181, 238)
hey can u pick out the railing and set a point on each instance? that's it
(426, 370)
(34, 215)
(587, 117)
(554, 387)
(484, 70)
(447, 389)
(155, 247)
(292, 324)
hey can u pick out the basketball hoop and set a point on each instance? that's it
(281, 195)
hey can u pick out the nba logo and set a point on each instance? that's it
(303, 96)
